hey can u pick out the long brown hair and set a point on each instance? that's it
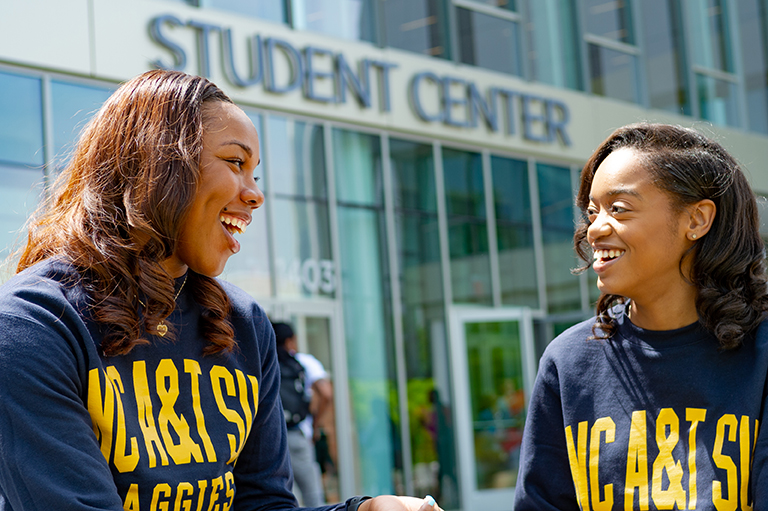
(117, 209)
(728, 263)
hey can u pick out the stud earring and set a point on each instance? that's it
(693, 236)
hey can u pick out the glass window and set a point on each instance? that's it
(367, 313)
(20, 194)
(21, 113)
(489, 42)
(424, 337)
(249, 269)
(613, 73)
(274, 10)
(514, 232)
(352, 152)
(611, 19)
(297, 154)
(416, 25)
(299, 210)
(753, 24)
(717, 100)
(467, 227)
(665, 59)
(502, 4)
(349, 19)
(709, 27)
(554, 55)
(556, 203)
(73, 106)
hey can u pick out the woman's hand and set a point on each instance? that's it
(395, 503)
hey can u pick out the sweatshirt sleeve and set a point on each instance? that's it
(544, 481)
(49, 454)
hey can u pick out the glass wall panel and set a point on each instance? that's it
(467, 227)
(553, 42)
(489, 42)
(416, 25)
(250, 269)
(708, 22)
(753, 25)
(349, 19)
(556, 203)
(665, 60)
(21, 116)
(514, 232)
(611, 19)
(424, 338)
(301, 230)
(367, 313)
(273, 10)
(502, 4)
(20, 194)
(613, 73)
(73, 106)
(717, 100)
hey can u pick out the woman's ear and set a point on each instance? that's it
(702, 214)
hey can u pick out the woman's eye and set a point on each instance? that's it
(236, 161)
(618, 209)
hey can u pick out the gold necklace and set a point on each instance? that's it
(161, 327)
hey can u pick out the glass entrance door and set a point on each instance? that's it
(318, 333)
(493, 362)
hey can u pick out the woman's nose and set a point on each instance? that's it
(599, 227)
(252, 195)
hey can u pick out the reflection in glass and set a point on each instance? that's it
(498, 400)
(489, 42)
(370, 359)
(708, 20)
(21, 116)
(467, 227)
(556, 203)
(613, 73)
(297, 157)
(349, 19)
(416, 25)
(303, 261)
(423, 318)
(753, 30)
(717, 100)
(553, 42)
(73, 107)
(20, 194)
(611, 19)
(665, 58)
(357, 164)
(273, 10)
(514, 232)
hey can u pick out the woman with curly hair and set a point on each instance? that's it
(130, 378)
(658, 402)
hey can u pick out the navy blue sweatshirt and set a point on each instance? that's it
(646, 420)
(162, 428)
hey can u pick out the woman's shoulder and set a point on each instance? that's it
(47, 282)
(573, 344)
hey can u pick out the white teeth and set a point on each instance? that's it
(607, 254)
(233, 225)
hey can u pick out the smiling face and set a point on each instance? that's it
(638, 239)
(226, 193)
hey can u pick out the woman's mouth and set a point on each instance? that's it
(604, 256)
(233, 225)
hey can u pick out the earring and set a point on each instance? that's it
(693, 236)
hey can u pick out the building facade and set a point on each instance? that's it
(419, 163)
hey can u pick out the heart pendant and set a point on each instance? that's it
(161, 329)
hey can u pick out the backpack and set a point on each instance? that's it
(292, 380)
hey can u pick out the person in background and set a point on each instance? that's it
(298, 388)
(659, 401)
(130, 377)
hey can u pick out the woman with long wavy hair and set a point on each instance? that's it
(130, 378)
(659, 401)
